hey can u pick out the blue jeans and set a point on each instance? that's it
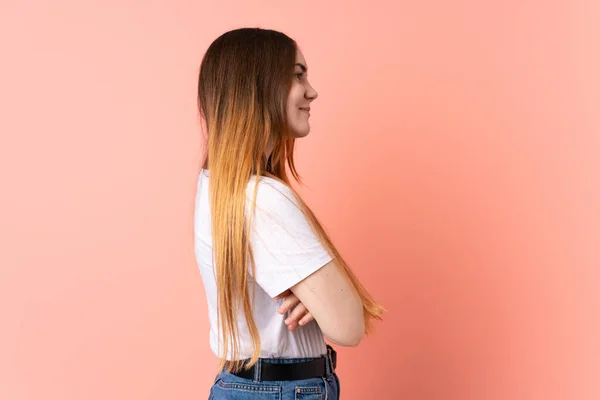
(231, 387)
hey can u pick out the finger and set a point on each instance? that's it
(306, 319)
(282, 295)
(288, 303)
(297, 313)
(292, 326)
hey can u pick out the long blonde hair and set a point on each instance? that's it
(245, 78)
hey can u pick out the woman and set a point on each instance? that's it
(276, 286)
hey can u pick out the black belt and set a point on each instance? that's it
(292, 371)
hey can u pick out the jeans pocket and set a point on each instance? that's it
(309, 393)
(247, 390)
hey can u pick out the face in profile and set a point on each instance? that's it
(299, 99)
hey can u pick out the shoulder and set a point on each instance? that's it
(271, 193)
(275, 203)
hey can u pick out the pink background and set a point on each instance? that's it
(454, 157)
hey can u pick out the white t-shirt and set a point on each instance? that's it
(285, 250)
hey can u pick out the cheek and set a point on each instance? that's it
(295, 99)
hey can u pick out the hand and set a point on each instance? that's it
(299, 315)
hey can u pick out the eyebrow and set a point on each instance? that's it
(302, 66)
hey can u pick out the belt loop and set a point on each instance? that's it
(257, 370)
(328, 366)
(330, 369)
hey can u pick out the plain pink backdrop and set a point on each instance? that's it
(454, 158)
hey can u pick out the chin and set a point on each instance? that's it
(300, 133)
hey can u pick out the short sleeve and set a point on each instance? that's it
(284, 246)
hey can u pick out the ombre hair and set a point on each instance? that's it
(245, 79)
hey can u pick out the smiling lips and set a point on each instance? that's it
(307, 109)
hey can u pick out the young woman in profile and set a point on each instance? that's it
(276, 285)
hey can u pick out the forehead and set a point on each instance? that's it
(300, 57)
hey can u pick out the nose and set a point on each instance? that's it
(311, 94)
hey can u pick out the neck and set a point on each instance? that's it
(269, 149)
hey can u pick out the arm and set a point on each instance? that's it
(288, 255)
(333, 302)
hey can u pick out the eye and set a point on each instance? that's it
(300, 75)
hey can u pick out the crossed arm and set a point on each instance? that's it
(328, 297)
